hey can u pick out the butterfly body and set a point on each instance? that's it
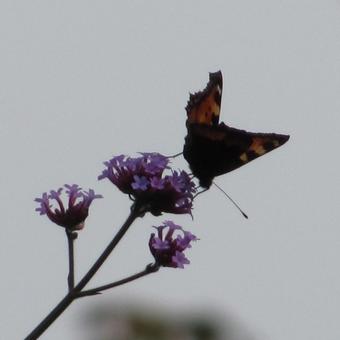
(212, 148)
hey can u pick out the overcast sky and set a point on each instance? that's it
(81, 81)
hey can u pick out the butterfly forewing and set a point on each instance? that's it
(204, 106)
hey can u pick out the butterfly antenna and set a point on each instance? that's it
(176, 155)
(232, 201)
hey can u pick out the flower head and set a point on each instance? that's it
(144, 179)
(168, 248)
(73, 216)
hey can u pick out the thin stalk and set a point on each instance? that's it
(151, 268)
(72, 295)
(71, 236)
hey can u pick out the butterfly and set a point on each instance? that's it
(212, 148)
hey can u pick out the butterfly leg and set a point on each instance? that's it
(200, 192)
(176, 155)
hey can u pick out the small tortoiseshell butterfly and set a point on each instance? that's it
(212, 148)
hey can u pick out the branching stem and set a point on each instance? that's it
(73, 294)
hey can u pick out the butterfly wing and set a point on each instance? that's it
(204, 106)
(215, 150)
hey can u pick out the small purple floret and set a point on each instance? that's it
(140, 183)
(180, 260)
(145, 181)
(157, 183)
(168, 248)
(73, 216)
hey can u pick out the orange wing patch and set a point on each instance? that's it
(258, 146)
(204, 107)
(261, 145)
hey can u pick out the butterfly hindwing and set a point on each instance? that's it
(213, 149)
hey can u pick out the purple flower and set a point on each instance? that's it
(168, 248)
(157, 183)
(145, 181)
(140, 183)
(72, 217)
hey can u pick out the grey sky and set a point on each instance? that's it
(81, 81)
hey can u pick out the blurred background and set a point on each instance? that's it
(138, 319)
(81, 81)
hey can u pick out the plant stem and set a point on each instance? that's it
(151, 268)
(72, 295)
(70, 242)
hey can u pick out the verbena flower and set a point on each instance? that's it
(145, 181)
(168, 247)
(73, 216)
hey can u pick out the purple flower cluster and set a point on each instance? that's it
(143, 179)
(74, 215)
(168, 249)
